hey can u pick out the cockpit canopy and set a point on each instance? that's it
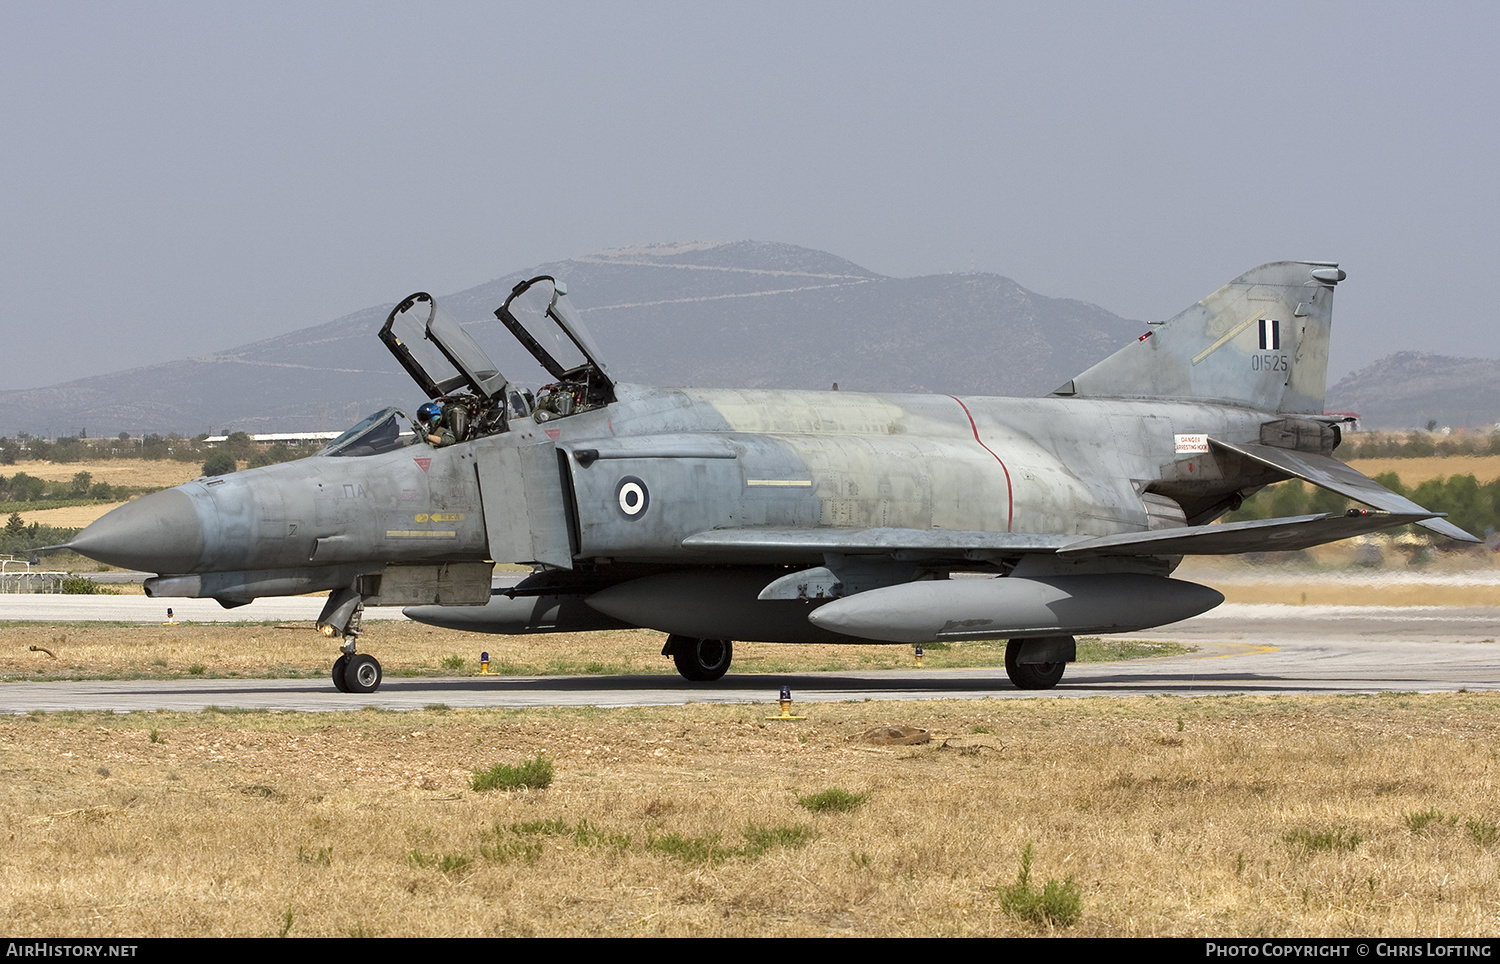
(555, 335)
(437, 352)
(448, 364)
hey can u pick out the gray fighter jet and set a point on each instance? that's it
(783, 516)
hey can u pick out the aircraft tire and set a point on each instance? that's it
(701, 660)
(1030, 676)
(339, 666)
(362, 675)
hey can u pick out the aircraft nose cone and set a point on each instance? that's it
(159, 533)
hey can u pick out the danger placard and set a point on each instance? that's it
(1191, 444)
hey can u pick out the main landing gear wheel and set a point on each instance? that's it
(361, 674)
(339, 666)
(1030, 676)
(699, 660)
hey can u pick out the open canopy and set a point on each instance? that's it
(437, 352)
(444, 359)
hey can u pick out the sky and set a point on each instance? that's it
(185, 177)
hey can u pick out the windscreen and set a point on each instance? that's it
(383, 431)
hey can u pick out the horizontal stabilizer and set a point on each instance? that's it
(1261, 535)
(1331, 474)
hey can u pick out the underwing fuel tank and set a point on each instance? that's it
(1012, 608)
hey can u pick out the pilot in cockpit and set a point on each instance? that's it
(434, 426)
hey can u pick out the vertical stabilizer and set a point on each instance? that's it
(1260, 341)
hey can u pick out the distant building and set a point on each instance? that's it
(289, 438)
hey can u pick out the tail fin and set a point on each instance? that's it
(1260, 341)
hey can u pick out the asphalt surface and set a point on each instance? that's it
(1261, 649)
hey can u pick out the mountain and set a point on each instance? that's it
(1410, 389)
(749, 314)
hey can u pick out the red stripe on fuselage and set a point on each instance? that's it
(1010, 508)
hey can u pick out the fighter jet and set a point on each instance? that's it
(782, 516)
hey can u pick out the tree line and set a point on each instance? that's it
(239, 445)
(1413, 445)
(17, 538)
(1470, 505)
(81, 488)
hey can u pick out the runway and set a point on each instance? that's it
(1245, 649)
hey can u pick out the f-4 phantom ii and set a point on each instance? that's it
(783, 516)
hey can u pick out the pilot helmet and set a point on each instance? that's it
(430, 413)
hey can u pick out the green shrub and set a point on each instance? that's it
(832, 801)
(1483, 831)
(1339, 838)
(452, 865)
(1056, 904)
(696, 850)
(220, 463)
(82, 586)
(1418, 821)
(535, 774)
(759, 840)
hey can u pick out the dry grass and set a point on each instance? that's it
(1414, 472)
(1354, 591)
(133, 472)
(1328, 577)
(113, 651)
(1236, 815)
(69, 517)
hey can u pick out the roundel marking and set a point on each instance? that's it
(631, 496)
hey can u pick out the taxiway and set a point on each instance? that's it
(1259, 649)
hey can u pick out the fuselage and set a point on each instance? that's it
(628, 482)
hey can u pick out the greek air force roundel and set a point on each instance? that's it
(632, 498)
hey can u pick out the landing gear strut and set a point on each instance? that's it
(699, 660)
(352, 672)
(1038, 664)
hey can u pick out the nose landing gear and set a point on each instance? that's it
(352, 672)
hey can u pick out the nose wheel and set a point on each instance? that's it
(352, 672)
(357, 673)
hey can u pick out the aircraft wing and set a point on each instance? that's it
(918, 545)
(1260, 535)
(1330, 473)
(911, 544)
